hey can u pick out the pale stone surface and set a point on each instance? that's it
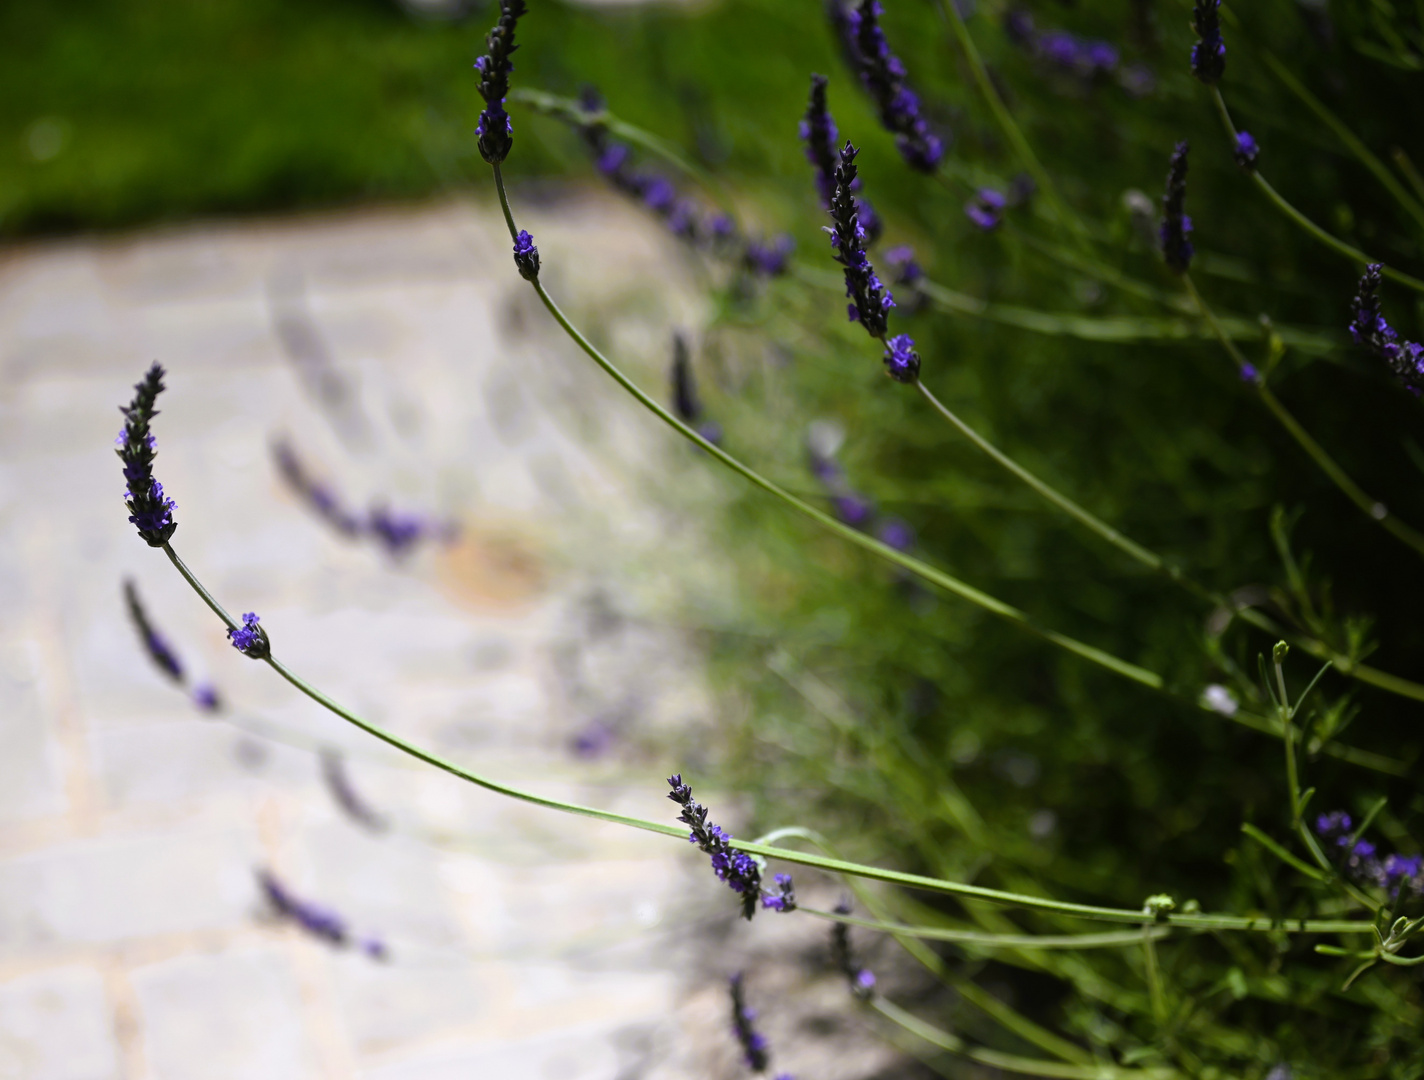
(56, 1024)
(134, 941)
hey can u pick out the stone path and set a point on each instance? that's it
(399, 354)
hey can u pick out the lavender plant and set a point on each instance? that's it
(1156, 742)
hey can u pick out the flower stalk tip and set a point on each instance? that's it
(526, 256)
(250, 638)
(495, 129)
(1369, 328)
(1209, 53)
(739, 870)
(150, 511)
(753, 1043)
(870, 301)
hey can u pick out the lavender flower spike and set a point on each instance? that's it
(884, 77)
(495, 130)
(149, 510)
(753, 1042)
(902, 363)
(870, 301)
(315, 920)
(1368, 327)
(526, 256)
(1176, 225)
(154, 643)
(818, 131)
(1209, 53)
(739, 870)
(250, 639)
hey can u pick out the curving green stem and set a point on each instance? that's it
(1349, 138)
(1158, 565)
(950, 13)
(920, 569)
(1372, 508)
(1334, 243)
(1012, 1063)
(1112, 939)
(993, 605)
(834, 866)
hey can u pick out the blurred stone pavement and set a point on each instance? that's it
(400, 355)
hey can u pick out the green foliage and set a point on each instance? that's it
(915, 729)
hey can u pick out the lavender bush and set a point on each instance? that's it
(1169, 750)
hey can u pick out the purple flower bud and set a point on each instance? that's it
(769, 260)
(986, 209)
(902, 363)
(902, 262)
(250, 639)
(1246, 151)
(526, 256)
(1248, 372)
(205, 696)
(860, 980)
(897, 534)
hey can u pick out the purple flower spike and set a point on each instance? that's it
(739, 870)
(818, 131)
(870, 302)
(250, 638)
(1209, 53)
(685, 401)
(753, 1042)
(986, 209)
(154, 643)
(883, 76)
(149, 510)
(1176, 225)
(495, 130)
(526, 256)
(1368, 327)
(902, 363)
(1246, 151)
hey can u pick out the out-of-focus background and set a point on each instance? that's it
(275, 201)
(449, 520)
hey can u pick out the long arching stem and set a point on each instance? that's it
(1158, 565)
(1371, 507)
(834, 866)
(1334, 243)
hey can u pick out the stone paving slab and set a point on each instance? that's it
(134, 941)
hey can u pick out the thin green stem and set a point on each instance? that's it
(1155, 991)
(950, 13)
(1372, 508)
(1113, 939)
(1089, 521)
(1157, 564)
(1334, 243)
(920, 569)
(1012, 1063)
(1349, 138)
(834, 866)
(1280, 852)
